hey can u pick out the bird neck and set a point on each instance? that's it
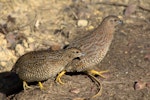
(66, 57)
(106, 28)
(105, 33)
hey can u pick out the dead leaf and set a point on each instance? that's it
(130, 9)
(139, 85)
(147, 57)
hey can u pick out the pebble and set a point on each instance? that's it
(30, 40)
(5, 53)
(25, 44)
(139, 85)
(19, 49)
(82, 23)
(3, 63)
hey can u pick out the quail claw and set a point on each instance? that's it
(99, 93)
(99, 73)
(25, 85)
(58, 78)
(40, 85)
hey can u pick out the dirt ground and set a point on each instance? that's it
(34, 25)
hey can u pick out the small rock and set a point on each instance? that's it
(3, 63)
(75, 90)
(6, 54)
(82, 23)
(3, 41)
(90, 28)
(25, 44)
(11, 39)
(148, 84)
(31, 47)
(19, 49)
(37, 24)
(139, 85)
(30, 40)
(147, 57)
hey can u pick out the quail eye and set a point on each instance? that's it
(115, 20)
(77, 51)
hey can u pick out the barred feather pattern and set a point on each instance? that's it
(42, 65)
(95, 46)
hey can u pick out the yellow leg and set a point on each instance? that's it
(59, 76)
(100, 86)
(94, 72)
(25, 85)
(40, 85)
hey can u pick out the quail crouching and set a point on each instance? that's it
(42, 65)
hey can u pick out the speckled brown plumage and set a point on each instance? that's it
(95, 45)
(41, 65)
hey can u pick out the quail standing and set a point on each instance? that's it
(42, 65)
(95, 46)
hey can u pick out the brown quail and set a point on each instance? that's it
(95, 46)
(42, 65)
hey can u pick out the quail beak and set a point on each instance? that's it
(82, 54)
(120, 22)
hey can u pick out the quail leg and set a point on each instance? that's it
(99, 93)
(25, 85)
(40, 85)
(59, 76)
(99, 73)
